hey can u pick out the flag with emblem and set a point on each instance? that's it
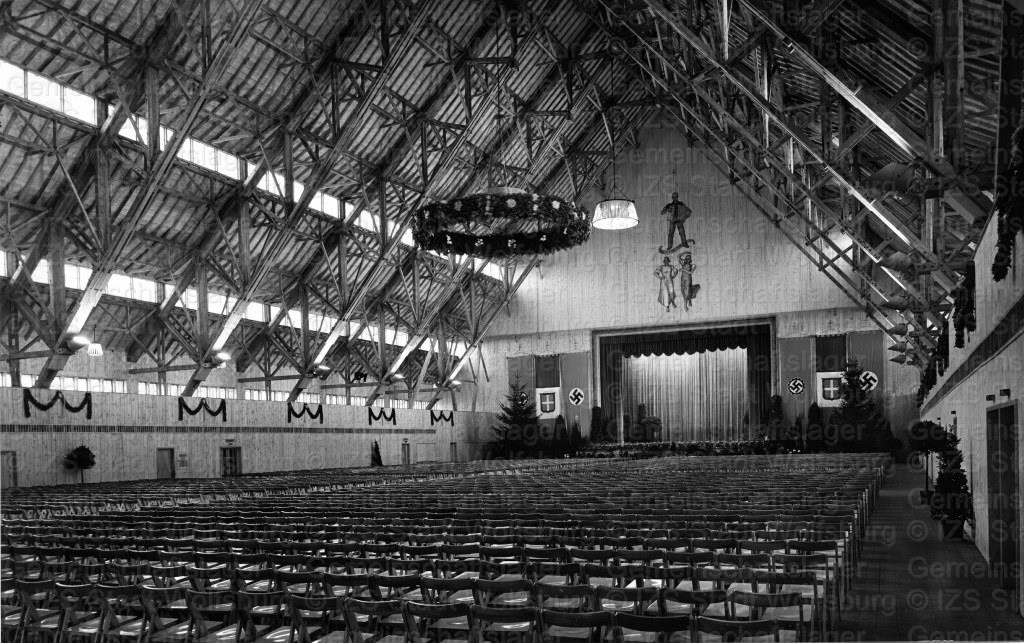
(829, 362)
(548, 386)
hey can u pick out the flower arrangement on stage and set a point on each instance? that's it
(501, 224)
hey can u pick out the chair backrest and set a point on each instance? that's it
(440, 590)
(743, 560)
(118, 604)
(450, 568)
(203, 578)
(670, 577)
(698, 600)
(434, 621)
(760, 601)
(367, 565)
(154, 599)
(387, 587)
(301, 582)
(375, 612)
(555, 554)
(663, 626)
(482, 617)
(565, 598)
(647, 556)
(729, 631)
(801, 562)
(78, 597)
(692, 558)
(29, 593)
(203, 605)
(569, 572)
(551, 620)
(617, 575)
(626, 599)
(486, 592)
(312, 609)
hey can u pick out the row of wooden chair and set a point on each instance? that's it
(100, 612)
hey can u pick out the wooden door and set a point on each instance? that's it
(165, 464)
(230, 461)
(1004, 506)
(8, 469)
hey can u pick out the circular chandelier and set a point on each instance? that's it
(504, 222)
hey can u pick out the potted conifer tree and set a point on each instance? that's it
(951, 500)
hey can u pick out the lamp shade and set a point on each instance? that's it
(94, 349)
(615, 214)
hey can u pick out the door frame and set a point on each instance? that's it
(238, 462)
(994, 510)
(13, 467)
(174, 468)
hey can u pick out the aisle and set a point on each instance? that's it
(910, 585)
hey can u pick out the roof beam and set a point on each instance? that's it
(232, 210)
(581, 98)
(142, 197)
(906, 137)
(321, 171)
(448, 156)
(900, 134)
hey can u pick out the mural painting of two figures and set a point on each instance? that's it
(677, 213)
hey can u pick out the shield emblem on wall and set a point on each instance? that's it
(547, 402)
(830, 390)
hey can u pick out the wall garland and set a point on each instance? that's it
(306, 411)
(204, 405)
(28, 400)
(383, 416)
(442, 416)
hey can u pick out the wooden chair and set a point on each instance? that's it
(434, 623)
(558, 626)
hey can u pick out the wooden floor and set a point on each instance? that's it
(910, 585)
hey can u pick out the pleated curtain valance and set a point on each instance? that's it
(685, 342)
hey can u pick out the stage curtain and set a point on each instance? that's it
(701, 396)
(756, 339)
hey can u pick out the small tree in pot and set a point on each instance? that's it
(951, 501)
(80, 459)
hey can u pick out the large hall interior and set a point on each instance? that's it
(413, 321)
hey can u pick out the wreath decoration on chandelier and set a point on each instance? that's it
(501, 224)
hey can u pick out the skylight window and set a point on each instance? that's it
(43, 91)
(331, 206)
(12, 79)
(255, 311)
(79, 105)
(133, 123)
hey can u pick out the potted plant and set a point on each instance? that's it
(80, 459)
(927, 437)
(951, 500)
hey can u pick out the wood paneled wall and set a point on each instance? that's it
(125, 431)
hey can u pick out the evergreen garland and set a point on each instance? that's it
(964, 318)
(1010, 206)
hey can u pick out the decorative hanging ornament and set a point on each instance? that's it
(501, 223)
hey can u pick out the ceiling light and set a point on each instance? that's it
(222, 356)
(615, 214)
(95, 349)
(79, 340)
